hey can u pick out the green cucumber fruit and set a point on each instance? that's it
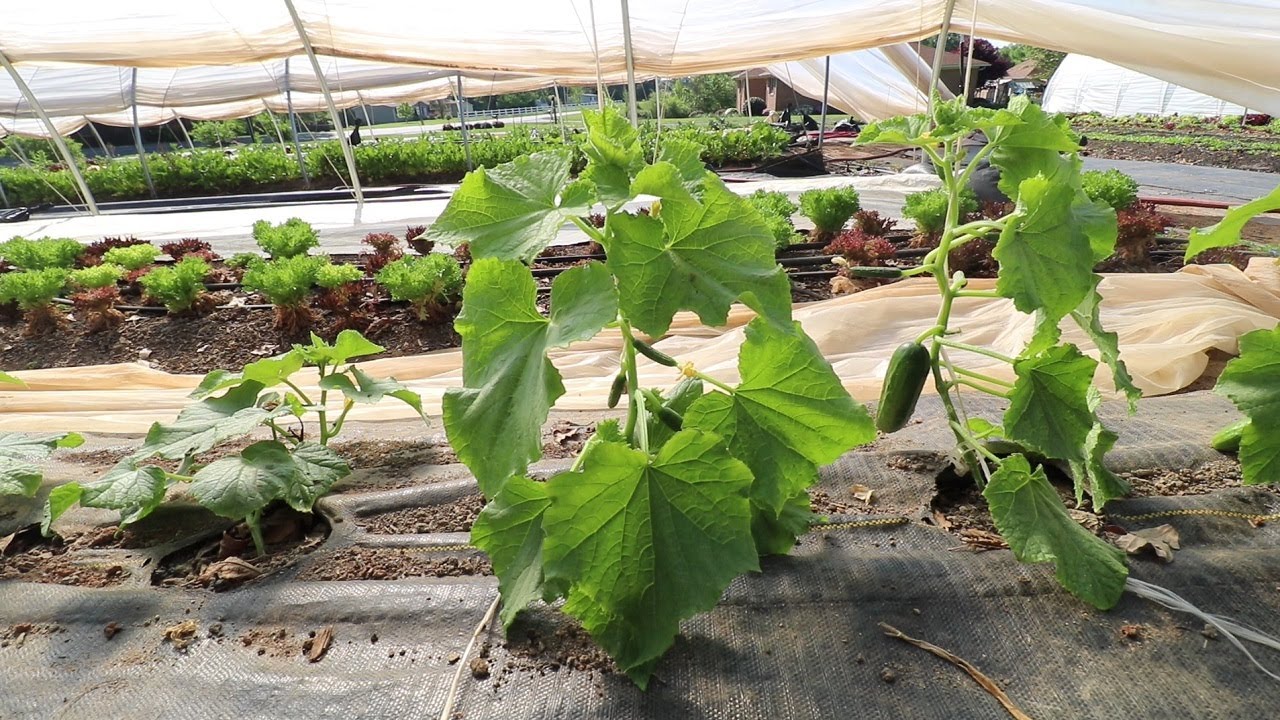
(908, 369)
(615, 391)
(657, 356)
(1228, 438)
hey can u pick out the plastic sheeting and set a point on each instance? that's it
(1166, 325)
(870, 84)
(1083, 84)
(1216, 46)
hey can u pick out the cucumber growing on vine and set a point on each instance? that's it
(654, 354)
(908, 369)
(1228, 438)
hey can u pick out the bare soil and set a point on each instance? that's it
(453, 517)
(1184, 155)
(363, 563)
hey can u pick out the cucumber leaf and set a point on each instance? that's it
(369, 390)
(133, 490)
(1052, 410)
(494, 421)
(613, 153)
(509, 529)
(513, 211)
(698, 254)
(1252, 382)
(1031, 518)
(787, 416)
(202, 425)
(642, 543)
(317, 469)
(267, 372)
(1046, 261)
(348, 345)
(7, 379)
(1088, 317)
(236, 486)
(18, 474)
(1226, 232)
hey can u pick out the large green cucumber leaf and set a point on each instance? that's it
(135, 490)
(643, 543)
(236, 486)
(788, 415)
(1032, 519)
(494, 421)
(1046, 261)
(514, 210)
(1252, 381)
(700, 254)
(613, 155)
(1053, 410)
(204, 424)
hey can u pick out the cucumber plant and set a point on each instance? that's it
(1047, 247)
(663, 509)
(290, 466)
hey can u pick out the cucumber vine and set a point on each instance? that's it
(661, 511)
(1047, 248)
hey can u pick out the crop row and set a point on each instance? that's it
(438, 157)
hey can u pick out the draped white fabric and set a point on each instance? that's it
(1085, 84)
(199, 58)
(871, 84)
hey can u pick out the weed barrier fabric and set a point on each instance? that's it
(799, 640)
(1166, 323)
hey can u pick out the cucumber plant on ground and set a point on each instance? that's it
(662, 510)
(292, 466)
(1047, 247)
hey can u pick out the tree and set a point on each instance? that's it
(406, 112)
(1047, 61)
(712, 93)
(997, 65)
(215, 132)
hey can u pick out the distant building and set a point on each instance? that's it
(775, 92)
(952, 72)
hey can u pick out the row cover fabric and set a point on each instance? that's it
(1216, 46)
(1083, 84)
(1166, 323)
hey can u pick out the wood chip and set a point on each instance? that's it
(863, 493)
(319, 645)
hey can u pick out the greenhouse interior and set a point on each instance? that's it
(664, 359)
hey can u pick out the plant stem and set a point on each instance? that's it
(255, 529)
(979, 388)
(979, 228)
(178, 477)
(978, 294)
(323, 412)
(979, 376)
(955, 345)
(585, 227)
(948, 289)
(342, 418)
(633, 377)
(713, 381)
(298, 391)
